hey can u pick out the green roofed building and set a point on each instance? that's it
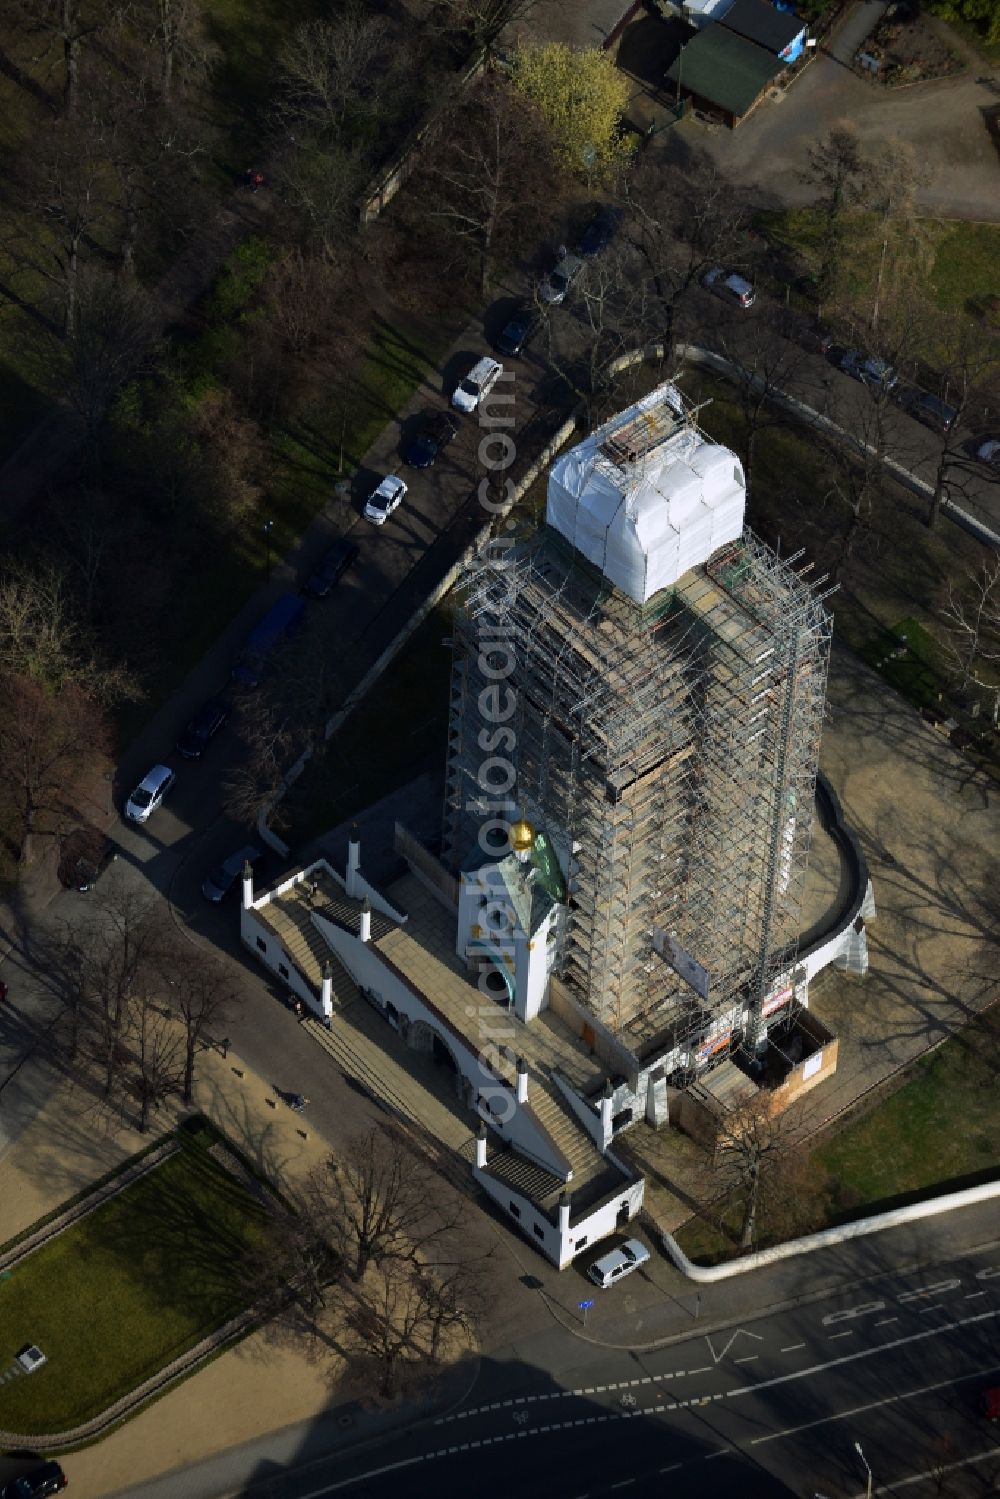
(724, 72)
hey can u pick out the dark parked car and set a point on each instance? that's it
(84, 856)
(930, 410)
(222, 879)
(436, 433)
(48, 1479)
(515, 336)
(599, 233)
(332, 568)
(875, 373)
(203, 727)
(282, 620)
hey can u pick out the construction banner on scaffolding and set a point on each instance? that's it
(681, 961)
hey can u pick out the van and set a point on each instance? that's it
(283, 618)
(619, 1263)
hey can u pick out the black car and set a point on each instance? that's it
(332, 568)
(516, 335)
(930, 410)
(222, 879)
(599, 233)
(84, 856)
(48, 1479)
(435, 434)
(203, 727)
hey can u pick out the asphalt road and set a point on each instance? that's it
(769, 1407)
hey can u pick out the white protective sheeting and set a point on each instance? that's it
(700, 12)
(646, 523)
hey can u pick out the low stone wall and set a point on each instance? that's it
(827, 1238)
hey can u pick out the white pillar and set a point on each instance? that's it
(481, 1148)
(247, 884)
(326, 997)
(353, 863)
(365, 929)
(522, 1080)
(607, 1103)
(564, 1209)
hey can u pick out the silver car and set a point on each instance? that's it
(557, 283)
(619, 1263)
(149, 793)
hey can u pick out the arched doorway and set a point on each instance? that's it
(428, 1040)
(498, 981)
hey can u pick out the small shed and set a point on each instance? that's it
(724, 72)
(759, 22)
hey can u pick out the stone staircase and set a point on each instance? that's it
(567, 1135)
(384, 1078)
(310, 954)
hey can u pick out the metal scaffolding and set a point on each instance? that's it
(672, 748)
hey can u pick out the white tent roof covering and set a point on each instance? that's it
(645, 522)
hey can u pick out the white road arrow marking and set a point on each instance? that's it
(740, 1331)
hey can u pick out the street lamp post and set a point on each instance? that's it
(267, 550)
(868, 1491)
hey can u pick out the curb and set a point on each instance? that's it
(700, 1326)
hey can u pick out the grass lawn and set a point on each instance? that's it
(960, 273)
(125, 1290)
(965, 266)
(915, 672)
(938, 1131)
(397, 732)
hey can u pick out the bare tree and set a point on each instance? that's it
(480, 22)
(971, 616)
(53, 742)
(403, 1315)
(120, 954)
(156, 1054)
(56, 206)
(488, 173)
(766, 364)
(65, 25)
(202, 994)
(42, 636)
(682, 223)
(178, 31)
(969, 366)
(387, 1201)
(839, 172)
(256, 781)
(752, 1144)
(294, 1265)
(112, 335)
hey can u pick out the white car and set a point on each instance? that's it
(149, 793)
(384, 500)
(619, 1263)
(729, 286)
(477, 384)
(989, 452)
